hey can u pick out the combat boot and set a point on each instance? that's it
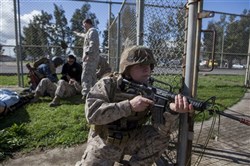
(36, 98)
(55, 102)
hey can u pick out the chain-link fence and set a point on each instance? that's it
(158, 24)
(28, 34)
(162, 30)
(231, 41)
(122, 32)
(161, 26)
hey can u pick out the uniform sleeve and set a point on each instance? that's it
(83, 35)
(78, 87)
(98, 108)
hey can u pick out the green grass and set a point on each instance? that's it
(37, 125)
(228, 90)
(9, 80)
(12, 80)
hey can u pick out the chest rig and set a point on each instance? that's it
(136, 119)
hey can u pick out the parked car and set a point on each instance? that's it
(203, 63)
(238, 66)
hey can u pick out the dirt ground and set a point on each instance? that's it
(51, 157)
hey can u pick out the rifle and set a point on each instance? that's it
(156, 93)
(34, 77)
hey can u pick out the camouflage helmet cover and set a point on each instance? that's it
(136, 55)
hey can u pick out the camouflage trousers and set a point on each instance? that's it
(62, 88)
(88, 77)
(144, 146)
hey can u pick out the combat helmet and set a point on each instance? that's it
(58, 61)
(136, 55)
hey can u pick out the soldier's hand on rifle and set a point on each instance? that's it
(140, 103)
(181, 105)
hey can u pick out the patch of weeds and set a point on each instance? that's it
(11, 140)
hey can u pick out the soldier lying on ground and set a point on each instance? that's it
(120, 116)
(11, 100)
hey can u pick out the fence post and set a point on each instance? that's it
(140, 17)
(109, 26)
(247, 76)
(20, 43)
(118, 42)
(184, 135)
(17, 44)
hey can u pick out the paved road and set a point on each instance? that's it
(11, 68)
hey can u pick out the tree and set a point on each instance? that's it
(234, 32)
(219, 28)
(105, 34)
(166, 35)
(61, 33)
(42, 32)
(112, 43)
(245, 24)
(157, 39)
(176, 28)
(36, 34)
(128, 26)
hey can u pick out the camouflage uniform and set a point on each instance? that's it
(90, 49)
(62, 88)
(116, 130)
(43, 68)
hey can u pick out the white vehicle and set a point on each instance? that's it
(203, 63)
(238, 66)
